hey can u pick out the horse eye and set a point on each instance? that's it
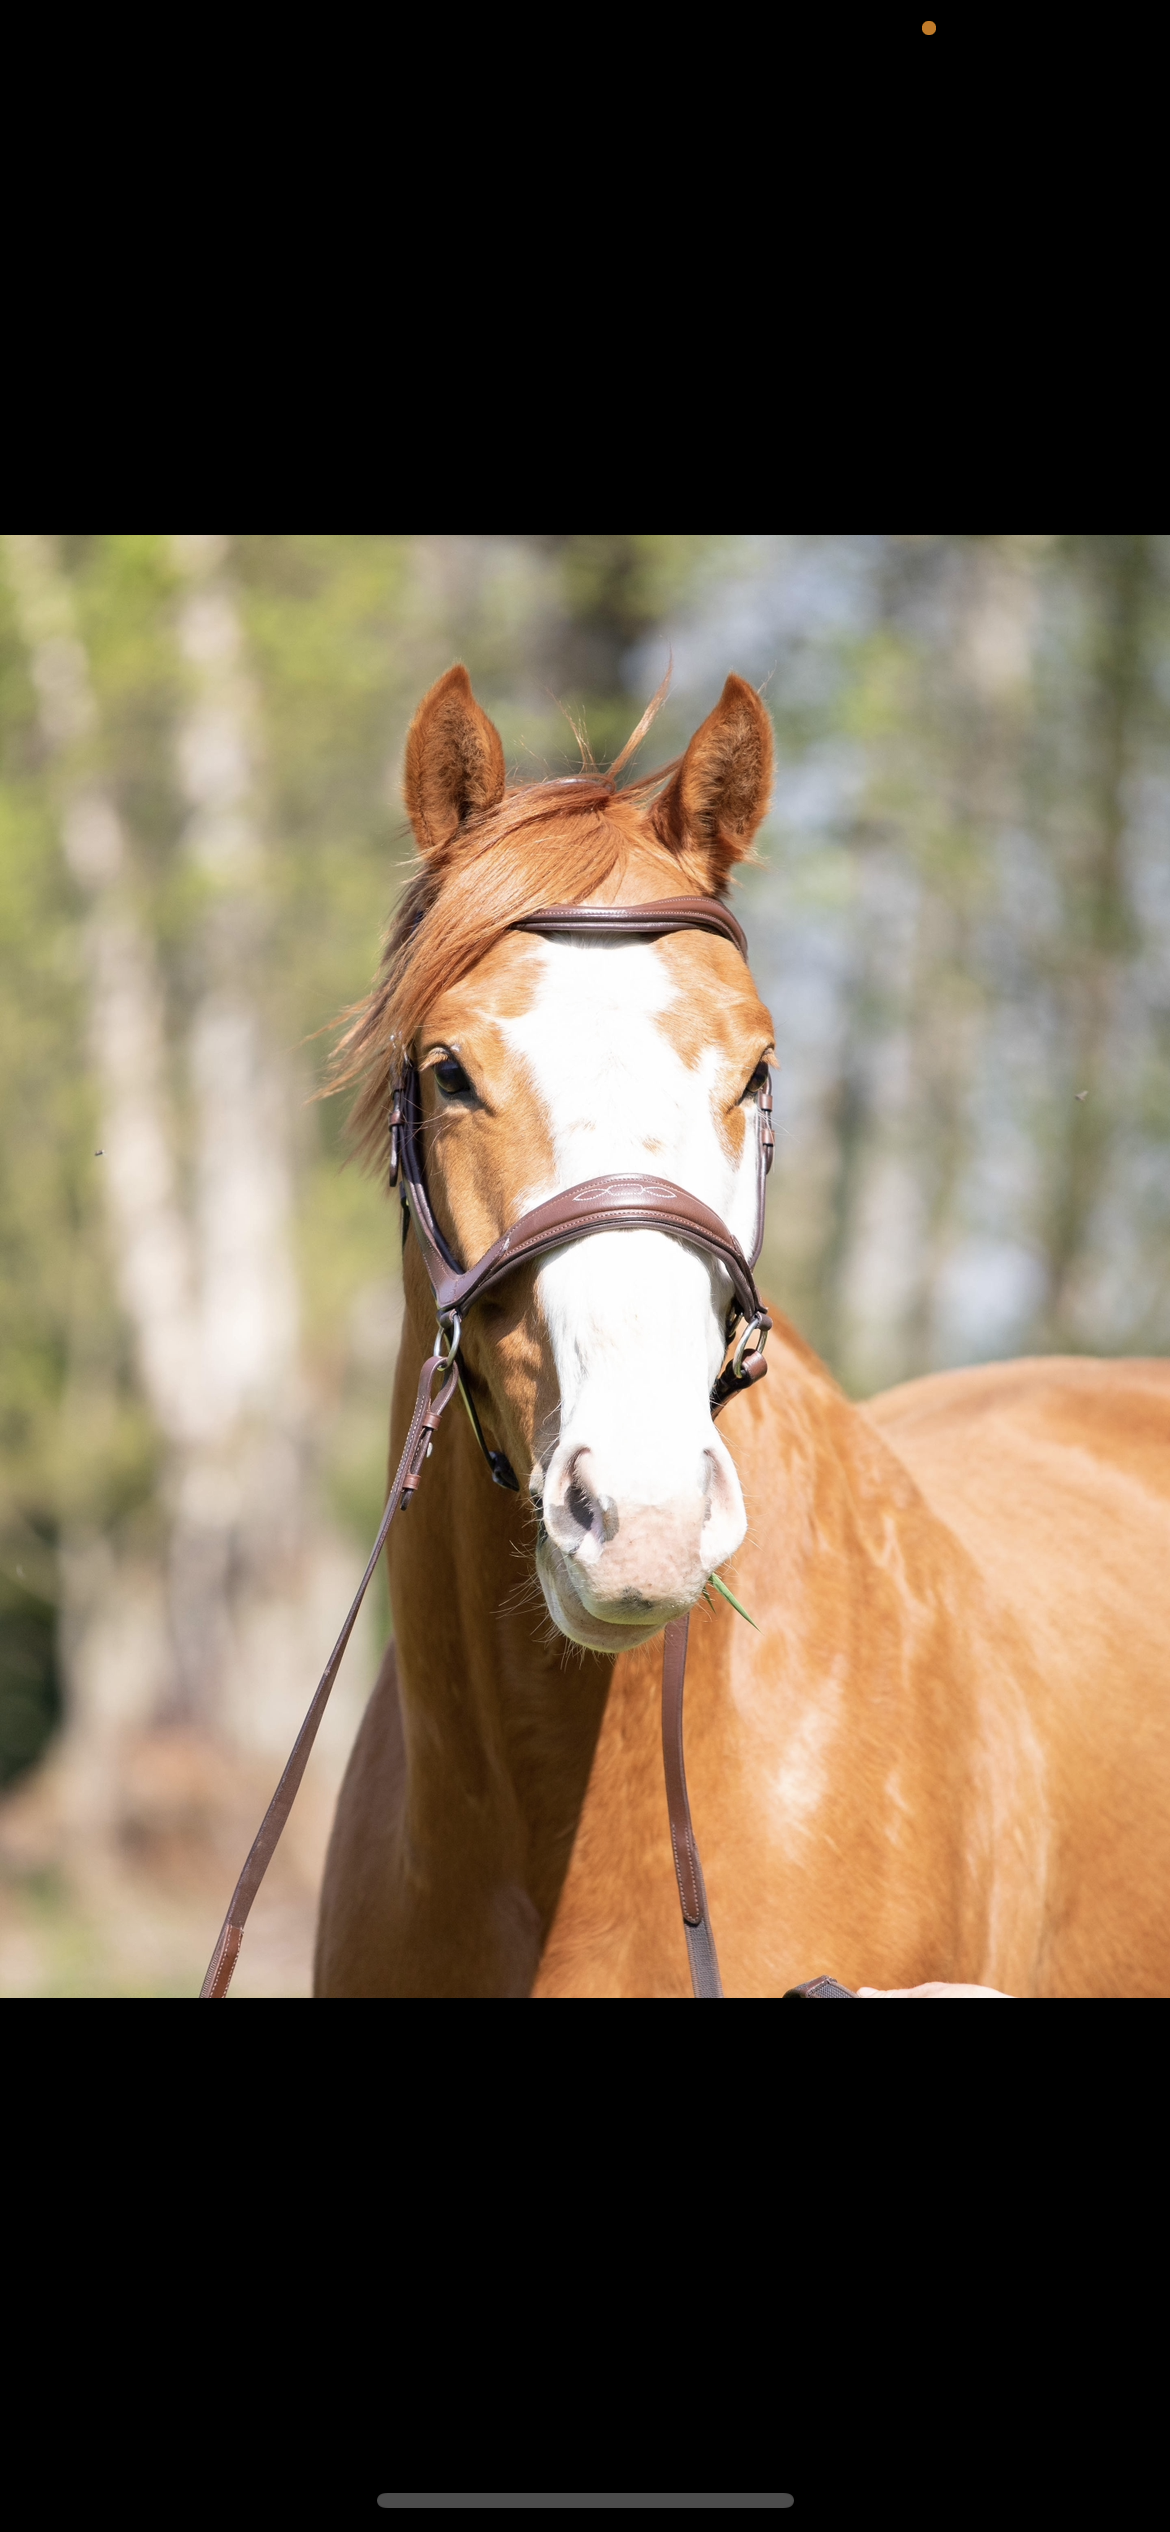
(759, 1080)
(451, 1078)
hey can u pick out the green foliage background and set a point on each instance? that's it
(961, 916)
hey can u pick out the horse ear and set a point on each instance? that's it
(722, 788)
(454, 761)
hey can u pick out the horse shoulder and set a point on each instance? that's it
(875, 1743)
(1055, 1475)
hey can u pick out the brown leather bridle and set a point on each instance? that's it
(621, 1203)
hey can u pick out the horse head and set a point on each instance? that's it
(546, 1062)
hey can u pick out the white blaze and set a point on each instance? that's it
(640, 1495)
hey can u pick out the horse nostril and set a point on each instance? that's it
(580, 1516)
(594, 1515)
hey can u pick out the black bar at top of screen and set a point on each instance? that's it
(401, 2502)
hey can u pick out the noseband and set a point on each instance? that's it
(598, 1204)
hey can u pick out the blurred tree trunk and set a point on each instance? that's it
(117, 1665)
(239, 1496)
(846, 1120)
(208, 1286)
(1099, 934)
(615, 591)
(980, 702)
(605, 614)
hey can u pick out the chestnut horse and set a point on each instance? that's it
(942, 1750)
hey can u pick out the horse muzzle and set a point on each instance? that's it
(618, 1564)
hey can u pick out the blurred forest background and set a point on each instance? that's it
(960, 919)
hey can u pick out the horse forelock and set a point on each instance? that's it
(552, 842)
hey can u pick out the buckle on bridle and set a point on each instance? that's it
(760, 1326)
(451, 1327)
(744, 1368)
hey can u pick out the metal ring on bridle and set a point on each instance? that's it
(755, 1327)
(451, 1326)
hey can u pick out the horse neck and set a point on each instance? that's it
(866, 1585)
(933, 1783)
(500, 1715)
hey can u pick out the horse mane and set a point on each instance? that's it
(544, 843)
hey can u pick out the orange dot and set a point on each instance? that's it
(928, 26)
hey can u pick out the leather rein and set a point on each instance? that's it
(612, 1203)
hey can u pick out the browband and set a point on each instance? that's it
(666, 914)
